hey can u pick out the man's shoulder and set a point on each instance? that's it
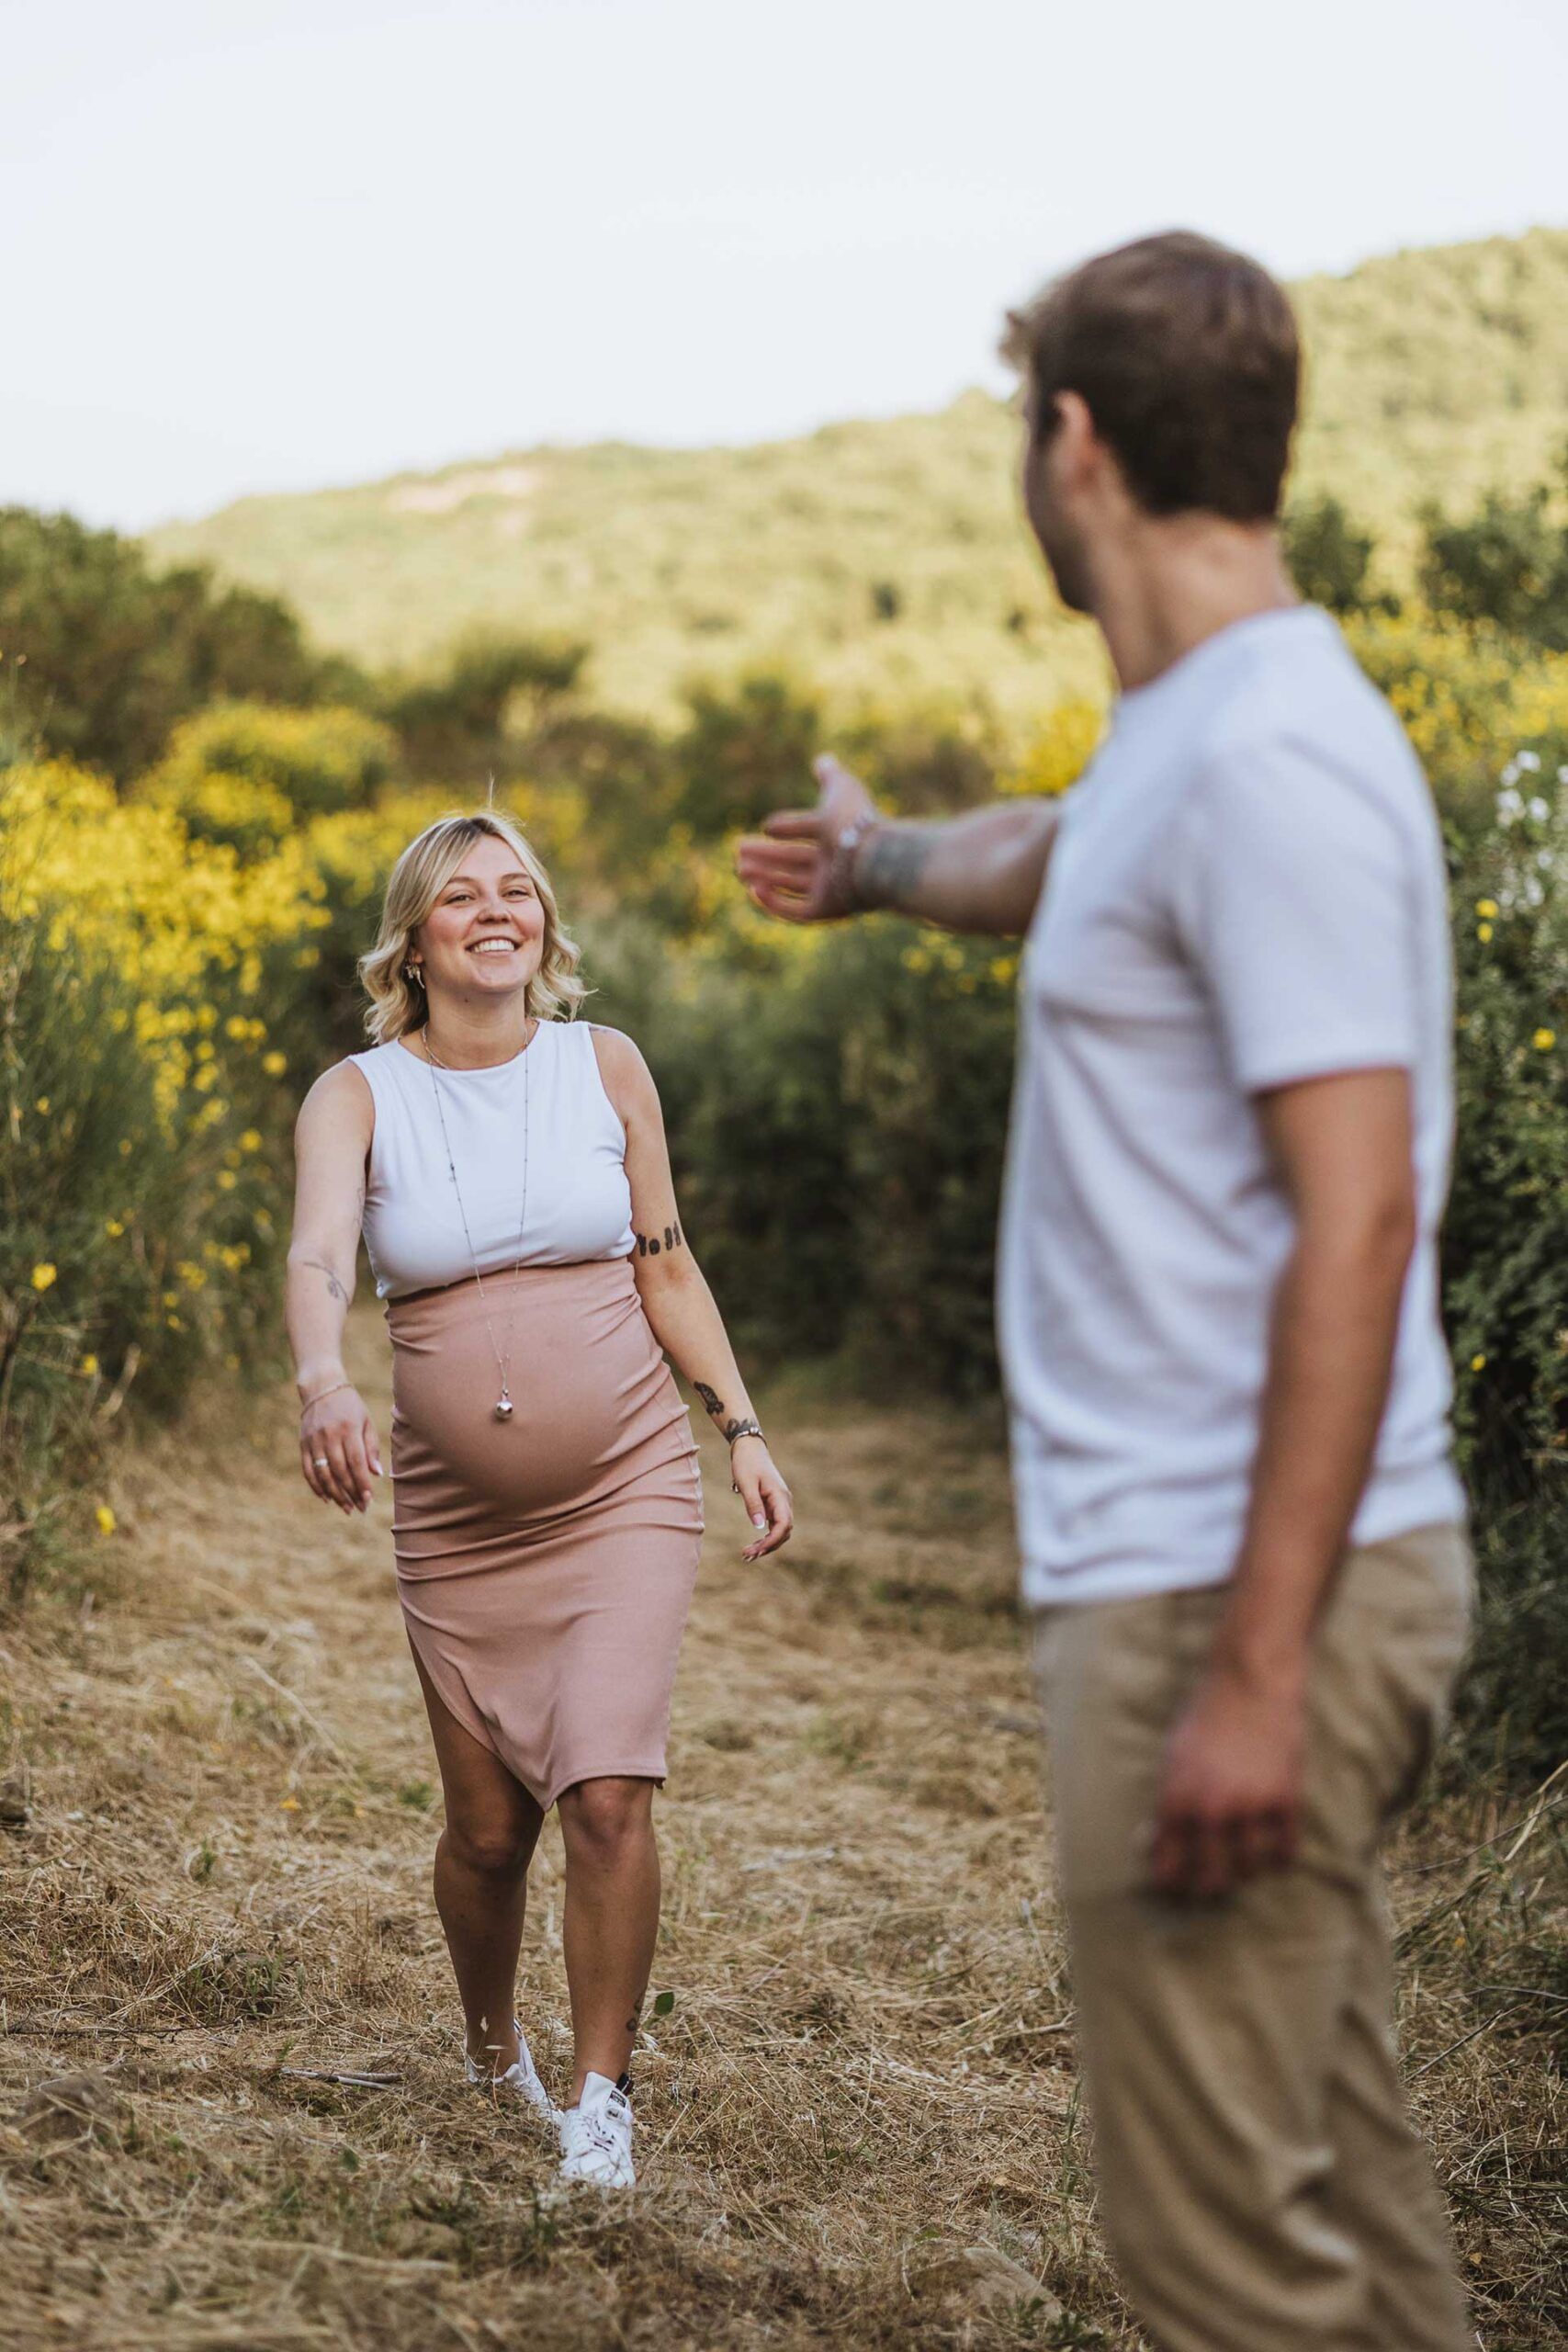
(1312, 709)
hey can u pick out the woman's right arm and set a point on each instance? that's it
(331, 1139)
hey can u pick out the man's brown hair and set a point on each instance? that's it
(1188, 359)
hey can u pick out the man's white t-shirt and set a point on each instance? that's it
(1247, 888)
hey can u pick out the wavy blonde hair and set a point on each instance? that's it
(421, 874)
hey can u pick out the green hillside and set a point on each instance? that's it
(887, 561)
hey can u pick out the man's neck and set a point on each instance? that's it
(1177, 580)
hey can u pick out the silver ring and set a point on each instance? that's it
(319, 1461)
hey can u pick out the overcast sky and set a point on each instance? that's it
(256, 245)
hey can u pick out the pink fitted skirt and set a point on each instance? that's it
(546, 1563)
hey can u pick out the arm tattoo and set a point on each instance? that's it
(715, 1403)
(648, 1245)
(334, 1285)
(890, 865)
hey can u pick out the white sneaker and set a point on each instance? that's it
(521, 2079)
(596, 2136)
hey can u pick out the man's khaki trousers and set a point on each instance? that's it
(1260, 2186)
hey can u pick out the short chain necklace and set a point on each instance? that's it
(502, 1409)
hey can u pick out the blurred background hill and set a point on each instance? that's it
(886, 559)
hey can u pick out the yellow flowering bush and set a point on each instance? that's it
(1463, 689)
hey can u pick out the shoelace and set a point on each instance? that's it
(602, 2140)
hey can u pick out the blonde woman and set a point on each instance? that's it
(506, 1163)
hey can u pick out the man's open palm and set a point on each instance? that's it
(792, 868)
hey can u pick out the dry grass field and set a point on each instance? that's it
(859, 2120)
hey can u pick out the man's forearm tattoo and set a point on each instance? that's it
(334, 1285)
(890, 865)
(648, 1245)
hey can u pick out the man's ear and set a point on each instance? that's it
(1073, 431)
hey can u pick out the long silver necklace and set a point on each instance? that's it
(503, 1407)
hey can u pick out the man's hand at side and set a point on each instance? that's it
(1233, 1779)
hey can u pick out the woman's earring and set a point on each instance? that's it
(411, 972)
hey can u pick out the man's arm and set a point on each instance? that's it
(981, 872)
(1232, 1788)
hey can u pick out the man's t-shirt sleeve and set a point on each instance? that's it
(1295, 896)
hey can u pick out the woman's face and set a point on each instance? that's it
(485, 935)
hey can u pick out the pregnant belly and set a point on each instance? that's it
(592, 1397)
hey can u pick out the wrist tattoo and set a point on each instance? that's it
(890, 865)
(648, 1245)
(715, 1404)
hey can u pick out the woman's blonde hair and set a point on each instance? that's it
(421, 874)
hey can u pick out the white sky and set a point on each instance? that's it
(260, 245)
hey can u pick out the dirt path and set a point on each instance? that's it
(856, 2070)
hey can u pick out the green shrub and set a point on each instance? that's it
(311, 762)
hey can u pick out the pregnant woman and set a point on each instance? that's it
(508, 1168)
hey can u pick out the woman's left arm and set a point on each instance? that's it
(676, 1299)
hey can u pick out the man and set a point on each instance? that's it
(1242, 1535)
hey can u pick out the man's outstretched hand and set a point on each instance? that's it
(794, 867)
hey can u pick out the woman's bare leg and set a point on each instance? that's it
(481, 1873)
(612, 1917)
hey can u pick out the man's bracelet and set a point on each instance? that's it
(844, 849)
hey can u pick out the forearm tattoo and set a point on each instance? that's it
(334, 1285)
(715, 1404)
(648, 1245)
(890, 865)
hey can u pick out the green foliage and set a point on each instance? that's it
(1508, 564)
(453, 721)
(837, 1111)
(743, 751)
(1329, 558)
(107, 654)
(1507, 1228)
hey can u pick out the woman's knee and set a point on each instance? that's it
(601, 1821)
(499, 1847)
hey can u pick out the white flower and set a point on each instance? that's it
(1530, 760)
(1539, 810)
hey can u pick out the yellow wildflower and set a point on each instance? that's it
(1487, 907)
(1478, 1363)
(43, 1276)
(105, 1519)
(1544, 1040)
(289, 1804)
(250, 1140)
(1483, 931)
(42, 1104)
(275, 1064)
(113, 1226)
(89, 1364)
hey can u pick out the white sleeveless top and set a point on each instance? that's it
(579, 1201)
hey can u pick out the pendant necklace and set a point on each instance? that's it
(502, 1409)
